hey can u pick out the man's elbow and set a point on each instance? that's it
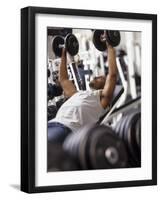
(114, 76)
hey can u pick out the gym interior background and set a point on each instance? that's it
(116, 140)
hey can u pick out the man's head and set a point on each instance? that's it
(98, 82)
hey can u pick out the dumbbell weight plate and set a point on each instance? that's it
(117, 127)
(113, 38)
(83, 147)
(71, 44)
(130, 135)
(57, 41)
(76, 143)
(126, 122)
(59, 160)
(136, 150)
(106, 150)
(100, 45)
(121, 130)
(122, 127)
(138, 133)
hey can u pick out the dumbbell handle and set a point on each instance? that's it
(61, 45)
(103, 37)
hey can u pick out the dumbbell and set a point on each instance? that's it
(70, 43)
(100, 37)
(96, 147)
(58, 159)
(54, 91)
(129, 130)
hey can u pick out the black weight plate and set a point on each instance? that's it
(129, 117)
(100, 45)
(117, 127)
(113, 38)
(106, 150)
(130, 134)
(122, 127)
(58, 160)
(136, 150)
(138, 133)
(75, 144)
(71, 44)
(57, 40)
(132, 138)
(131, 162)
(123, 135)
(71, 145)
(86, 132)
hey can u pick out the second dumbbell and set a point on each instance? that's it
(101, 37)
(70, 43)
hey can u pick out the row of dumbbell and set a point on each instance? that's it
(99, 147)
(70, 42)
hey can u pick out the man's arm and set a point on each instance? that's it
(107, 92)
(67, 85)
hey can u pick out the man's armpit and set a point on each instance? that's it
(68, 88)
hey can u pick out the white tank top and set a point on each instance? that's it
(81, 109)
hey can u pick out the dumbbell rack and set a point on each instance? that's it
(76, 76)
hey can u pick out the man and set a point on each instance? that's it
(82, 107)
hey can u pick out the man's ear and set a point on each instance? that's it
(91, 85)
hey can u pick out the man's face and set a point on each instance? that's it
(97, 82)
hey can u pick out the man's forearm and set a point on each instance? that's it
(63, 73)
(111, 79)
(112, 73)
(112, 62)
